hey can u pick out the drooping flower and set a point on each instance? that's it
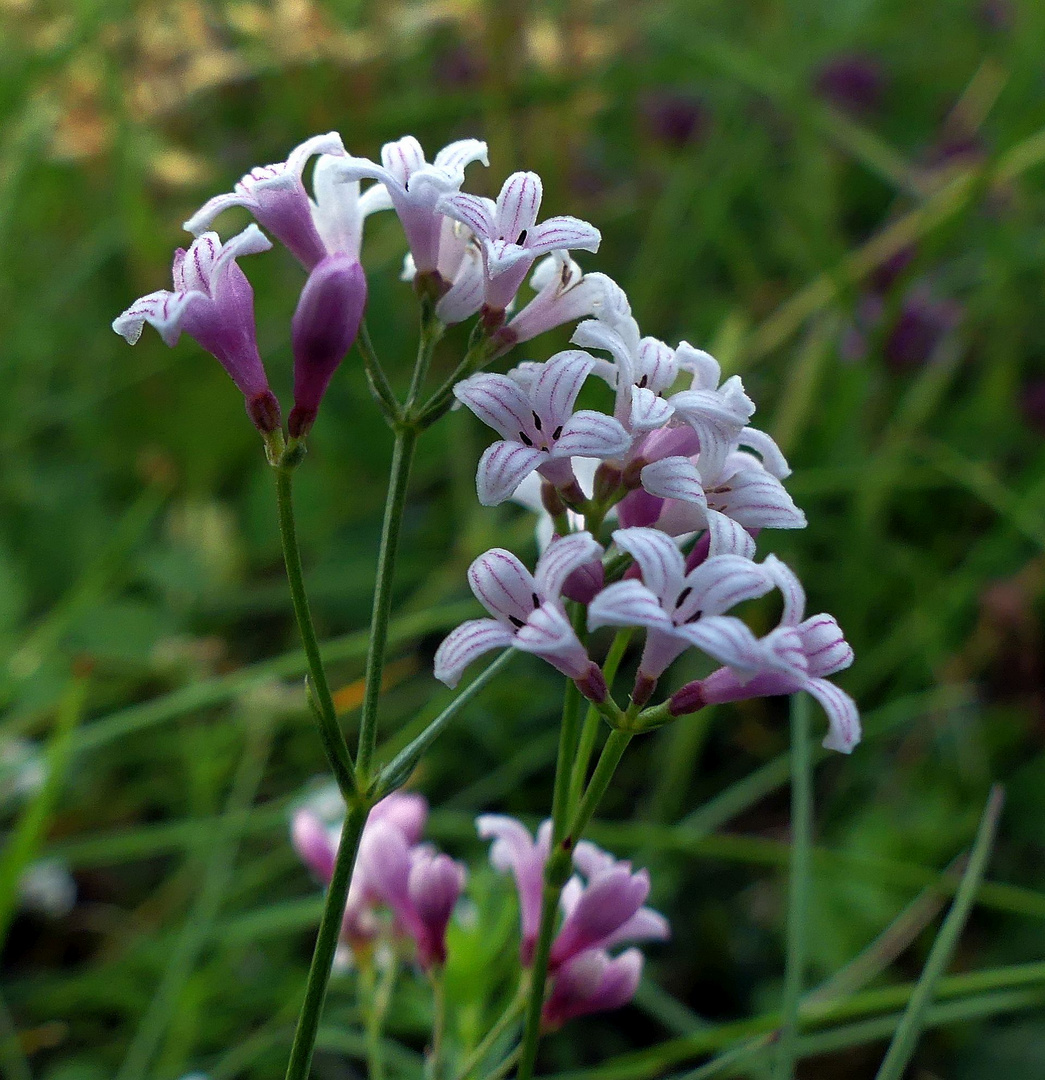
(564, 293)
(606, 910)
(678, 609)
(515, 852)
(276, 196)
(213, 302)
(460, 270)
(416, 188)
(528, 614)
(538, 426)
(510, 237)
(324, 328)
(592, 982)
(798, 655)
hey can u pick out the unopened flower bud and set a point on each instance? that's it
(592, 684)
(585, 582)
(263, 410)
(325, 326)
(643, 689)
(608, 479)
(689, 699)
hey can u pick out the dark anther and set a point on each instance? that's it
(522, 237)
(696, 615)
(525, 438)
(536, 601)
(643, 381)
(516, 622)
(536, 421)
(557, 432)
(682, 596)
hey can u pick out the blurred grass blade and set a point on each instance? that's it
(21, 848)
(906, 1038)
(798, 882)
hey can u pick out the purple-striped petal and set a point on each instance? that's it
(549, 635)
(728, 537)
(560, 559)
(455, 156)
(674, 478)
(824, 644)
(467, 643)
(843, 717)
(773, 461)
(756, 499)
(719, 583)
(648, 411)
(627, 603)
(563, 233)
(504, 586)
(502, 468)
(471, 210)
(706, 370)
(661, 562)
(591, 434)
(499, 402)
(786, 580)
(556, 387)
(517, 205)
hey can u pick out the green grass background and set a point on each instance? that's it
(146, 640)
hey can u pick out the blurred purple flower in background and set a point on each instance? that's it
(854, 82)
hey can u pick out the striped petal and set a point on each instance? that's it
(661, 562)
(502, 468)
(467, 643)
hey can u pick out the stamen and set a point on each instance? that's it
(682, 596)
(517, 623)
(557, 432)
(522, 237)
(536, 601)
(536, 421)
(523, 437)
(643, 381)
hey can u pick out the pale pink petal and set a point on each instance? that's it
(756, 499)
(502, 468)
(455, 156)
(609, 900)
(471, 210)
(401, 157)
(517, 206)
(648, 411)
(563, 234)
(504, 586)
(674, 478)
(786, 580)
(557, 385)
(765, 446)
(499, 402)
(591, 434)
(645, 925)
(560, 559)
(719, 583)
(549, 635)
(728, 537)
(842, 715)
(707, 373)
(467, 643)
(592, 982)
(661, 562)
(824, 645)
(627, 603)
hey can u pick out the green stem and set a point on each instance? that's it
(434, 1064)
(399, 768)
(592, 721)
(510, 1015)
(402, 456)
(330, 731)
(375, 373)
(904, 1041)
(556, 874)
(326, 943)
(801, 866)
(442, 399)
(431, 331)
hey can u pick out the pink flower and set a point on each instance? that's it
(510, 237)
(592, 982)
(678, 609)
(416, 188)
(213, 302)
(276, 196)
(527, 612)
(324, 328)
(798, 655)
(514, 851)
(538, 426)
(419, 885)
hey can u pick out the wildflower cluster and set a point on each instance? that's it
(673, 463)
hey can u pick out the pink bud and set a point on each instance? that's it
(435, 884)
(324, 327)
(592, 982)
